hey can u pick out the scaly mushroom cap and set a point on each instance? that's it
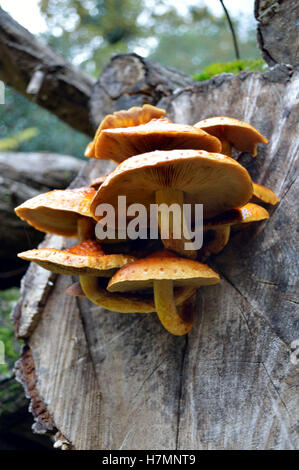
(241, 135)
(162, 265)
(216, 181)
(242, 215)
(263, 194)
(85, 258)
(57, 211)
(132, 117)
(158, 134)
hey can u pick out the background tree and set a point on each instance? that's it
(89, 32)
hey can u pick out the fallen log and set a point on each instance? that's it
(41, 74)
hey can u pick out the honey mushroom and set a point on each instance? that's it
(158, 162)
(90, 262)
(125, 118)
(221, 225)
(163, 271)
(58, 211)
(233, 133)
(158, 134)
(181, 177)
(262, 194)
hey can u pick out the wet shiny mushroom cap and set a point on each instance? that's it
(241, 135)
(264, 195)
(241, 215)
(57, 211)
(125, 118)
(85, 258)
(158, 134)
(162, 265)
(216, 181)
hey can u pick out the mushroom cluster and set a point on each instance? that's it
(159, 163)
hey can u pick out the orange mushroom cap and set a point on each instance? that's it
(132, 117)
(85, 258)
(162, 265)
(216, 181)
(241, 135)
(57, 211)
(158, 134)
(241, 215)
(264, 195)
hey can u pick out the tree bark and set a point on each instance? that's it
(42, 75)
(277, 30)
(130, 80)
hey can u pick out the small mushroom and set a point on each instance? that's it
(90, 262)
(264, 195)
(132, 117)
(221, 225)
(85, 258)
(233, 133)
(158, 134)
(162, 272)
(177, 176)
(58, 211)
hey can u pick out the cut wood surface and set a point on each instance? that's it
(103, 380)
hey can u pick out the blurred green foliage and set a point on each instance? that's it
(54, 136)
(13, 143)
(186, 38)
(189, 38)
(257, 65)
(8, 299)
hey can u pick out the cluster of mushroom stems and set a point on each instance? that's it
(159, 162)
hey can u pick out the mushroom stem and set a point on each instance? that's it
(171, 222)
(99, 296)
(226, 147)
(167, 311)
(221, 238)
(114, 302)
(84, 228)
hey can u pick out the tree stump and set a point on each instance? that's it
(103, 380)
